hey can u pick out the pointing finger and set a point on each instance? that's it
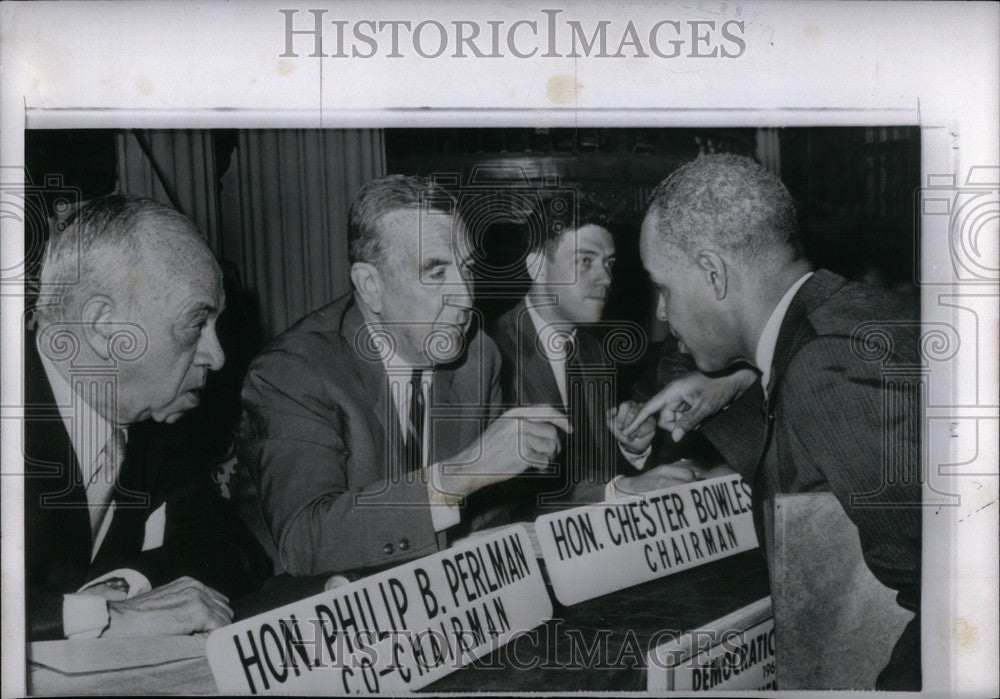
(644, 412)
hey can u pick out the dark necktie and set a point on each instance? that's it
(415, 424)
(102, 483)
(580, 443)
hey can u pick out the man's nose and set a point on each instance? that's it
(661, 308)
(602, 277)
(210, 351)
(459, 293)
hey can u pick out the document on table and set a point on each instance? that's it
(107, 654)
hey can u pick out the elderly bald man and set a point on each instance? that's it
(124, 534)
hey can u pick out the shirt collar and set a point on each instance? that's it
(394, 366)
(88, 431)
(768, 341)
(545, 331)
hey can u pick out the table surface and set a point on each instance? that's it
(598, 645)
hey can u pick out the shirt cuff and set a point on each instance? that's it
(137, 582)
(638, 461)
(84, 616)
(444, 506)
(612, 493)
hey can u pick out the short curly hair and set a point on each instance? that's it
(729, 202)
(544, 225)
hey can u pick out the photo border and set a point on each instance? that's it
(934, 87)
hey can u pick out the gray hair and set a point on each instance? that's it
(100, 237)
(729, 202)
(379, 197)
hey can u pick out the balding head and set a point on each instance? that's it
(119, 246)
(136, 267)
(720, 241)
(727, 203)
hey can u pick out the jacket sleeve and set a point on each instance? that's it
(44, 615)
(297, 435)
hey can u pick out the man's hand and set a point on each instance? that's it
(637, 439)
(665, 476)
(518, 439)
(685, 402)
(182, 607)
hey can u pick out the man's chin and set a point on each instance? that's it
(175, 411)
(705, 365)
(595, 312)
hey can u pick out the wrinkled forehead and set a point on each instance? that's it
(179, 263)
(659, 257)
(649, 236)
(418, 233)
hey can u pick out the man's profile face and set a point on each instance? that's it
(176, 300)
(578, 273)
(686, 300)
(426, 295)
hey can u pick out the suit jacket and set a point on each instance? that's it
(843, 415)
(527, 379)
(161, 469)
(324, 484)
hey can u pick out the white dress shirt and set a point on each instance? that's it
(768, 341)
(86, 616)
(443, 516)
(557, 362)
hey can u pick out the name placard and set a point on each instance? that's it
(593, 550)
(734, 652)
(395, 631)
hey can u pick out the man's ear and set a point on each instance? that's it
(535, 262)
(367, 282)
(97, 325)
(715, 271)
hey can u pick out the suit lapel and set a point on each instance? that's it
(536, 382)
(383, 420)
(795, 328)
(445, 434)
(57, 524)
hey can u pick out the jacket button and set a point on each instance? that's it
(404, 545)
(388, 548)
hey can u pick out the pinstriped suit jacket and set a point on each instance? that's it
(842, 415)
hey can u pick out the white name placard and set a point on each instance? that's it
(593, 550)
(395, 631)
(734, 652)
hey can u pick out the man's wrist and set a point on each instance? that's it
(444, 505)
(442, 490)
(611, 489)
(637, 460)
(85, 616)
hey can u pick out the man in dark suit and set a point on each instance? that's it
(720, 241)
(123, 532)
(553, 354)
(371, 431)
